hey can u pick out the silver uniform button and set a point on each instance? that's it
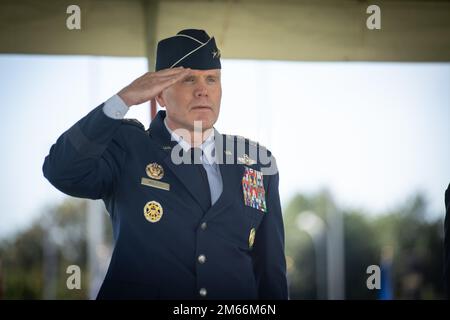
(202, 258)
(203, 226)
(118, 114)
(203, 292)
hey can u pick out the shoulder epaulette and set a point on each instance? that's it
(134, 122)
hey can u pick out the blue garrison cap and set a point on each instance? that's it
(189, 48)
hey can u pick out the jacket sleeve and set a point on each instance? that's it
(269, 258)
(86, 160)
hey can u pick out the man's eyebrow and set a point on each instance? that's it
(205, 76)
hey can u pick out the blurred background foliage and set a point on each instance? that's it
(415, 242)
(33, 263)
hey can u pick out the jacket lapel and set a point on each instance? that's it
(191, 178)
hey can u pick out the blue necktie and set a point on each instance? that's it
(196, 159)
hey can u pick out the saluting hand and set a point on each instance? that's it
(150, 85)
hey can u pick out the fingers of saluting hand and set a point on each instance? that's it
(168, 80)
(149, 85)
(170, 71)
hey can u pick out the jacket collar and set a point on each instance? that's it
(208, 146)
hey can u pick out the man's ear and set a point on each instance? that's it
(160, 100)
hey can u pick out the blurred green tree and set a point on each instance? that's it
(34, 262)
(415, 242)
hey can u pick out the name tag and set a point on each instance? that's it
(155, 184)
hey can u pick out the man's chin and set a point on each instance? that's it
(202, 123)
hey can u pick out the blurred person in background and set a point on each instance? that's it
(447, 242)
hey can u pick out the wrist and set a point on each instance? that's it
(125, 98)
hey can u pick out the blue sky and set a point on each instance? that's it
(372, 133)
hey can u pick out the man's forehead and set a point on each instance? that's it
(205, 72)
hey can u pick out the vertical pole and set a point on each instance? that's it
(151, 15)
(335, 254)
(321, 263)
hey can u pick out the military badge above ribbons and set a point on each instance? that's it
(253, 188)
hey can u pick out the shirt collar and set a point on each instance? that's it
(208, 146)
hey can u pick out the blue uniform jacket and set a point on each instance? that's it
(104, 158)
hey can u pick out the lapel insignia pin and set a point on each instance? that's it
(154, 171)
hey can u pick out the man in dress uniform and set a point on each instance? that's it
(184, 229)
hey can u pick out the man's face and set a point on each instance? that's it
(196, 97)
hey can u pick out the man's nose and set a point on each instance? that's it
(201, 91)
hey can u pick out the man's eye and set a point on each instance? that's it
(211, 79)
(189, 80)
